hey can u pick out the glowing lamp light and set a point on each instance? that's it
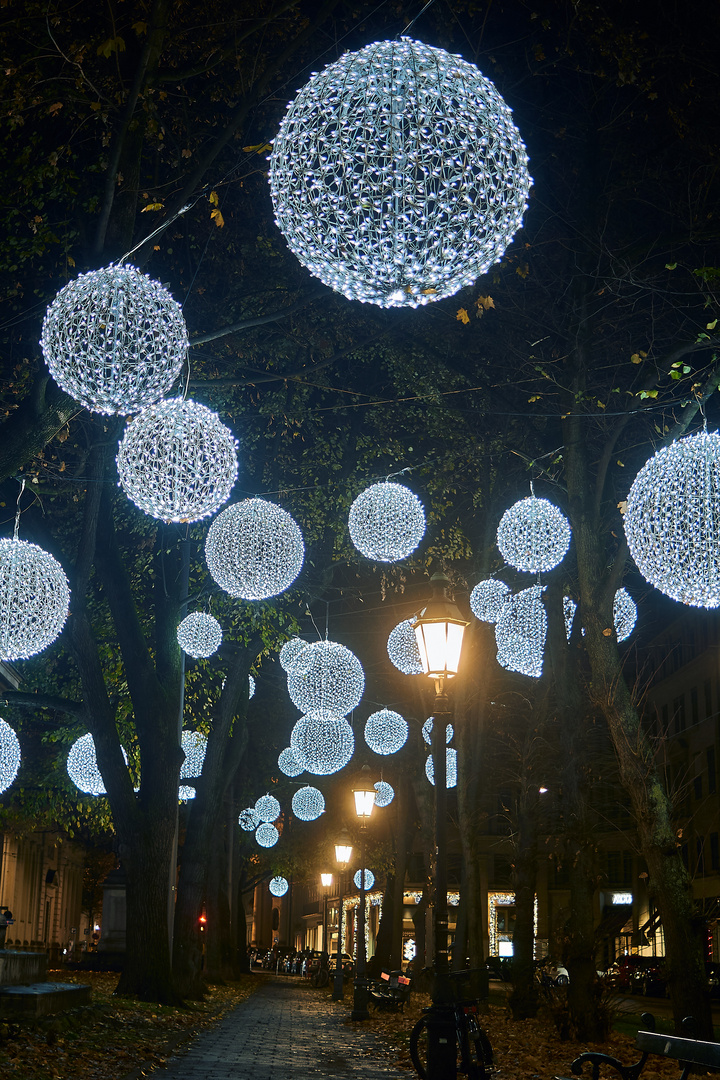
(9, 755)
(34, 599)
(364, 793)
(326, 681)
(384, 793)
(533, 535)
(343, 849)
(386, 731)
(308, 804)
(254, 549)
(326, 880)
(403, 650)
(199, 635)
(267, 835)
(439, 630)
(368, 882)
(386, 522)
(278, 886)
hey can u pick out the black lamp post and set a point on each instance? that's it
(364, 792)
(343, 854)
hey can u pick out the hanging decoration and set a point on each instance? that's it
(114, 340)
(385, 793)
(569, 609)
(199, 634)
(386, 522)
(267, 808)
(322, 746)
(308, 803)
(267, 835)
(9, 755)
(288, 762)
(82, 766)
(520, 633)
(177, 461)
(251, 687)
(290, 652)
(533, 535)
(488, 599)
(278, 886)
(403, 649)
(185, 792)
(427, 730)
(369, 879)
(254, 549)
(672, 522)
(450, 768)
(248, 820)
(386, 731)
(326, 680)
(194, 746)
(397, 175)
(624, 614)
(34, 599)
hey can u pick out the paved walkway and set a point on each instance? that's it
(283, 1031)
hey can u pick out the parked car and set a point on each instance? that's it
(499, 967)
(552, 973)
(346, 961)
(650, 977)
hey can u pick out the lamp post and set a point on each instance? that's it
(326, 881)
(364, 792)
(343, 854)
(439, 630)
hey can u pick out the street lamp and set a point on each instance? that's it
(364, 792)
(343, 854)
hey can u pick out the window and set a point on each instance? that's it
(694, 707)
(700, 855)
(714, 852)
(697, 785)
(710, 759)
(707, 693)
(679, 713)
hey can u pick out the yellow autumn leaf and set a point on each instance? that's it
(71, 261)
(261, 148)
(607, 632)
(217, 218)
(636, 358)
(622, 506)
(485, 302)
(152, 206)
(462, 316)
(213, 197)
(55, 108)
(428, 292)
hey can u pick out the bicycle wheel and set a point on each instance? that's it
(476, 1053)
(418, 1047)
(320, 978)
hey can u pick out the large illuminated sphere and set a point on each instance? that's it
(397, 175)
(82, 766)
(9, 755)
(369, 879)
(487, 599)
(199, 634)
(384, 793)
(290, 652)
(624, 614)
(34, 599)
(254, 549)
(267, 808)
(248, 819)
(520, 633)
(288, 763)
(403, 649)
(308, 803)
(114, 340)
(177, 461)
(386, 731)
(267, 835)
(278, 886)
(533, 535)
(326, 680)
(194, 745)
(427, 730)
(450, 768)
(322, 746)
(672, 522)
(386, 522)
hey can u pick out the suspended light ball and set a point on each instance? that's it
(624, 614)
(398, 176)
(267, 835)
(322, 746)
(427, 730)
(9, 755)
(177, 461)
(488, 598)
(386, 731)
(290, 652)
(194, 745)
(254, 549)
(450, 768)
(672, 522)
(199, 635)
(185, 793)
(34, 599)
(288, 762)
(82, 766)
(520, 633)
(114, 340)
(533, 535)
(384, 793)
(308, 804)
(248, 820)
(386, 522)
(267, 808)
(251, 687)
(369, 880)
(326, 681)
(278, 886)
(403, 649)
(569, 609)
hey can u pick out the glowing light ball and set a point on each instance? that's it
(326, 680)
(386, 731)
(624, 614)
(672, 521)
(9, 755)
(520, 633)
(34, 599)
(185, 793)
(322, 747)
(384, 793)
(288, 763)
(488, 598)
(386, 522)
(114, 340)
(267, 808)
(533, 535)
(450, 768)
(82, 766)
(290, 652)
(248, 820)
(278, 886)
(267, 835)
(369, 880)
(254, 549)
(569, 609)
(397, 175)
(403, 649)
(177, 461)
(194, 745)
(251, 687)
(427, 730)
(199, 635)
(308, 804)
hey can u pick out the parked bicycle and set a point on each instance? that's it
(321, 976)
(474, 1051)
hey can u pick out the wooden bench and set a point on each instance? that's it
(689, 1053)
(391, 992)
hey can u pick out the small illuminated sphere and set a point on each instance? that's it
(278, 886)
(322, 747)
(82, 766)
(248, 820)
(308, 803)
(533, 535)
(369, 879)
(385, 793)
(251, 687)
(9, 755)
(290, 652)
(450, 768)
(397, 175)
(185, 792)
(34, 599)
(177, 461)
(672, 522)
(569, 609)
(199, 634)
(267, 835)
(624, 614)
(194, 745)
(288, 763)
(267, 808)
(488, 598)
(427, 730)
(326, 680)
(254, 549)
(403, 649)
(520, 633)
(386, 522)
(386, 731)
(115, 340)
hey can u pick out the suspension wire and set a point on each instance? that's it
(413, 21)
(17, 513)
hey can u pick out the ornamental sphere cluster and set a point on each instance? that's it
(403, 649)
(322, 747)
(368, 882)
(254, 549)
(386, 522)
(199, 635)
(533, 535)
(386, 731)
(9, 755)
(520, 632)
(308, 804)
(34, 599)
(278, 886)
(326, 680)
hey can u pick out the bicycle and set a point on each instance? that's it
(474, 1050)
(321, 977)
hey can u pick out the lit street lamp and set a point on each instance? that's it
(364, 792)
(343, 854)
